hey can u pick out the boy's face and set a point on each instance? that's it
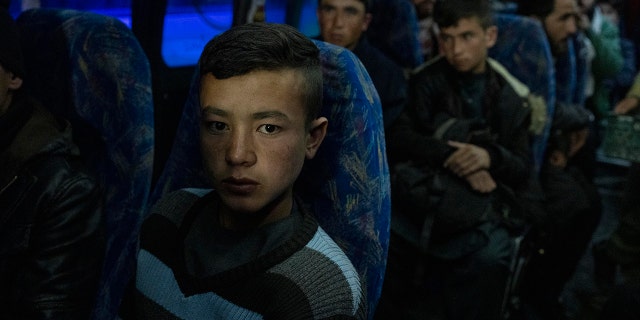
(342, 22)
(561, 24)
(254, 140)
(465, 45)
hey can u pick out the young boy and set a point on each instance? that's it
(247, 249)
(573, 208)
(469, 118)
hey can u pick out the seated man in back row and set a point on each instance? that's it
(468, 122)
(343, 23)
(51, 205)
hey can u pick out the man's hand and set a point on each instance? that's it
(467, 159)
(626, 105)
(481, 181)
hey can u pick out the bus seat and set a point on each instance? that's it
(571, 72)
(346, 184)
(90, 69)
(394, 30)
(523, 49)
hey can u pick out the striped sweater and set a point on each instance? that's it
(306, 276)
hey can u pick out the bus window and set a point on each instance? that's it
(120, 9)
(189, 24)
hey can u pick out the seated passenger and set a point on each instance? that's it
(426, 31)
(466, 125)
(573, 210)
(248, 248)
(343, 23)
(618, 85)
(621, 250)
(51, 233)
(598, 58)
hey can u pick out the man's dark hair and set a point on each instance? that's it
(539, 8)
(447, 13)
(368, 6)
(265, 47)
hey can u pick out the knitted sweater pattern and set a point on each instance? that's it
(306, 277)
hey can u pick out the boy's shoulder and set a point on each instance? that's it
(434, 65)
(175, 204)
(518, 86)
(322, 269)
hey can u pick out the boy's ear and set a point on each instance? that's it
(367, 21)
(317, 132)
(15, 82)
(491, 36)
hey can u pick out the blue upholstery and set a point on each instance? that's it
(346, 184)
(522, 48)
(571, 72)
(394, 30)
(90, 69)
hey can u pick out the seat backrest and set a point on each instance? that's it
(571, 72)
(394, 30)
(523, 49)
(90, 69)
(346, 185)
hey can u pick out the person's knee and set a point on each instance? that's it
(497, 253)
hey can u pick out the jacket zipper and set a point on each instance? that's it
(9, 184)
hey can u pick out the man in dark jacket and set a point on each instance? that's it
(467, 120)
(344, 23)
(51, 240)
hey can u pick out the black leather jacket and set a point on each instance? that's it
(434, 96)
(51, 236)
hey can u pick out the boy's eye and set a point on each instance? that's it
(268, 128)
(215, 126)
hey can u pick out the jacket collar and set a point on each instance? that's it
(41, 134)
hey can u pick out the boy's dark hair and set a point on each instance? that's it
(266, 47)
(539, 8)
(448, 13)
(368, 6)
(567, 119)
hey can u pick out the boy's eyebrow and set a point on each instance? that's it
(257, 115)
(270, 114)
(214, 110)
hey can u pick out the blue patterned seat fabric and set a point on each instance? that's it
(346, 184)
(522, 48)
(91, 69)
(571, 72)
(394, 30)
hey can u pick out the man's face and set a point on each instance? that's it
(424, 8)
(465, 45)
(609, 12)
(561, 24)
(585, 5)
(254, 140)
(342, 22)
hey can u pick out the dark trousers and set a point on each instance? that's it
(463, 277)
